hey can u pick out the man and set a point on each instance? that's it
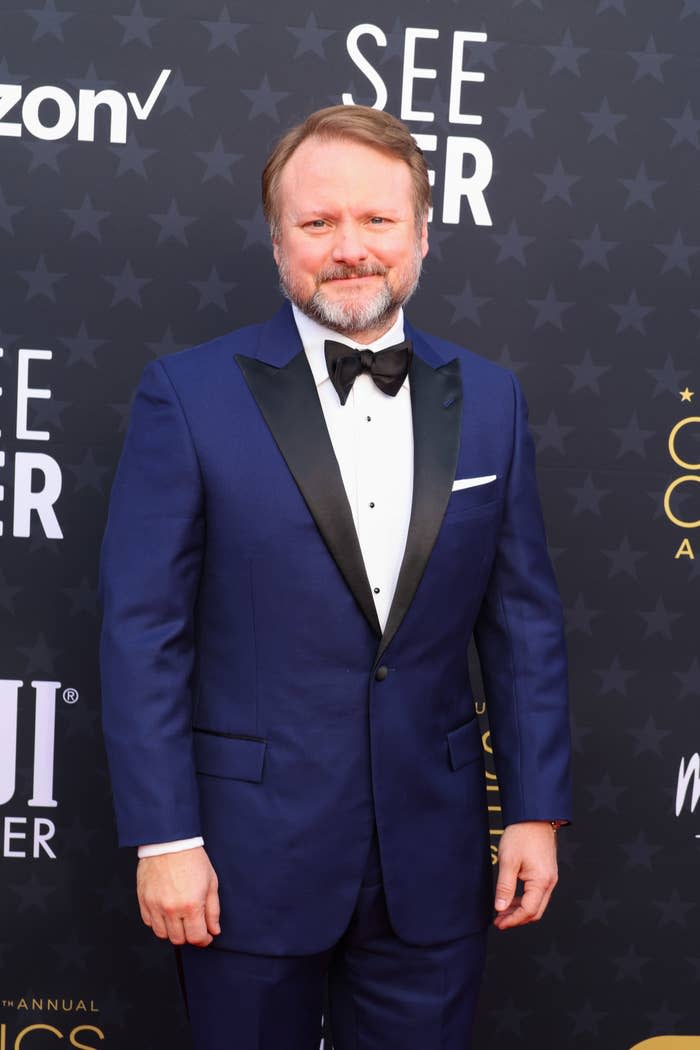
(308, 523)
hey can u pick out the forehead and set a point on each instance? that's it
(342, 172)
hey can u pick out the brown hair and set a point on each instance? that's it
(370, 127)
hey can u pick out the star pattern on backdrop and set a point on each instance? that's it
(127, 286)
(213, 290)
(673, 910)
(551, 434)
(641, 188)
(587, 497)
(40, 281)
(467, 304)
(580, 618)
(91, 81)
(137, 26)
(264, 101)
(594, 249)
(650, 62)
(224, 32)
(596, 908)
(49, 21)
(520, 117)
(566, 56)
(631, 314)
(603, 122)
(629, 967)
(482, 54)
(178, 94)
(549, 310)
(512, 244)
(8, 593)
(586, 1020)
(660, 620)
(640, 852)
(132, 157)
(256, 229)
(167, 344)
(310, 38)
(587, 374)
(89, 474)
(7, 214)
(218, 162)
(81, 347)
(86, 219)
(632, 438)
(668, 379)
(689, 680)
(614, 679)
(685, 128)
(624, 559)
(677, 254)
(553, 964)
(557, 184)
(173, 224)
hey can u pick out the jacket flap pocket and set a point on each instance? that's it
(235, 757)
(462, 501)
(464, 744)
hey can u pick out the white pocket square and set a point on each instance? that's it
(470, 483)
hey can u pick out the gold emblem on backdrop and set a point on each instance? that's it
(669, 1042)
(683, 429)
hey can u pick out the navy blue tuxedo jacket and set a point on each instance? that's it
(249, 694)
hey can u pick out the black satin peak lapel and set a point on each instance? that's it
(436, 405)
(288, 400)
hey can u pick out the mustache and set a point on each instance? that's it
(335, 273)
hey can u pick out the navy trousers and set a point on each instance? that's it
(383, 994)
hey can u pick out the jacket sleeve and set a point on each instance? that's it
(149, 576)
(520, 640)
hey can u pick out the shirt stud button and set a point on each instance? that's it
(369, 419)
(371, 504)
(376, 590)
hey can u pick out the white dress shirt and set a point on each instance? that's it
(372, 437)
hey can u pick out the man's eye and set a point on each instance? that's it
(377, 220)
(317, 224)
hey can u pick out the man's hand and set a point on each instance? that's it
(178, 896)
(528, 852)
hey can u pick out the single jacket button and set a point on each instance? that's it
(381, 673)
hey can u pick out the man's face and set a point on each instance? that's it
(348, 249)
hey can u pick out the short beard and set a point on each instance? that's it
(352, 318)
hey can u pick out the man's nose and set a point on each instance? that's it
(349, 246)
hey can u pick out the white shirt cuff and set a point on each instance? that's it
(155, 849)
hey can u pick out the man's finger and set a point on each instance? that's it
(546, 897)
(195, 931)
(175, 930)
(505, 887)
(212, 911)
(525, 909)
(158, 925)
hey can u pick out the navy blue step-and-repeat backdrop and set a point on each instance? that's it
(564, 138)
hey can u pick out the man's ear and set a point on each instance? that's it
(424, 246)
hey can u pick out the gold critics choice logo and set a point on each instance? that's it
(681, 487)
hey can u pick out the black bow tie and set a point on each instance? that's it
(388, 368)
